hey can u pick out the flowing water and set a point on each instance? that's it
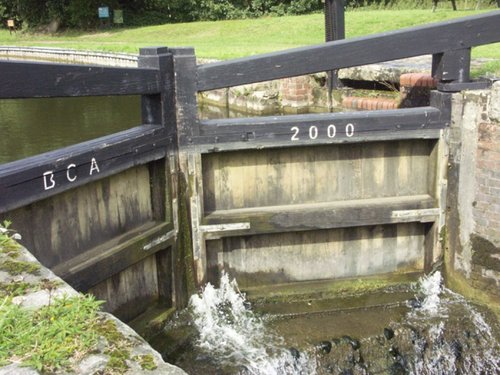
(236, 337)
(437, 332)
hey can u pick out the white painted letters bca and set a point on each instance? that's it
(49, 181)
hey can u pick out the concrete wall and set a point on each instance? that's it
(68, 55)
(473, 220)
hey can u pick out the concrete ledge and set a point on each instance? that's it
(389, 71)
(68, 56)
(46, 286)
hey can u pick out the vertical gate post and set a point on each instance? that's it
(334, 30)
(438, 183)
(159, 109)
(173, 272)
(190, 176)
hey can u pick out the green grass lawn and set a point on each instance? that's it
(238, 38)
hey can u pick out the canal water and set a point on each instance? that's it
(32, 126)
(29, 127)
(434, 332)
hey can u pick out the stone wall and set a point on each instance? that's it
(473, 223)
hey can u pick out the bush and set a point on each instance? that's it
(82, 14)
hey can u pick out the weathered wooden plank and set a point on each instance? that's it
(430, 245)
(428, 39)
(319, 254)
(165, 276)
(115, 255)
(314, 129)
(130, 292)
(340, 214)
(283, 176)
(63, 80)
(31, 179)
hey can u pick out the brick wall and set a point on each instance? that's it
(296, 92)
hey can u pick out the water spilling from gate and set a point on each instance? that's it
(235, 336)
(435, 332)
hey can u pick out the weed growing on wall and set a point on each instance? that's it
(49, 338)
(8, 237)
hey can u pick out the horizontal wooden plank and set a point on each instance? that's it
(28, 180)
(428, 39)
(259, 145)
(315, 129)
(341, 214)
(22, 79)
(115, 255)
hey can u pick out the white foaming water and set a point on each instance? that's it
(432, 287)
(437, 354)
(232, 334)
(442, 335)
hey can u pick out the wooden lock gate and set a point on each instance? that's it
(269, 199)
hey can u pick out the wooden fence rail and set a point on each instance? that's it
(439, 38)
(64, 80)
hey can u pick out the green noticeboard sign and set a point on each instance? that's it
(103, 12)
(118, 16)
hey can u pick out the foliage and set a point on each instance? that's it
(213, 10)
(146, 361)
(415, 4)
(117, 348)
(17, 267)
(233, 9)
(82, 14)
(47, 339)
(79, 14)
(8, 237)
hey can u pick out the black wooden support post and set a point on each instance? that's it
(334, 20)
(159, 109)
(452, 69)
(334, 30)
(190, 257)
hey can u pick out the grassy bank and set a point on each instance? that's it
(238, 38)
